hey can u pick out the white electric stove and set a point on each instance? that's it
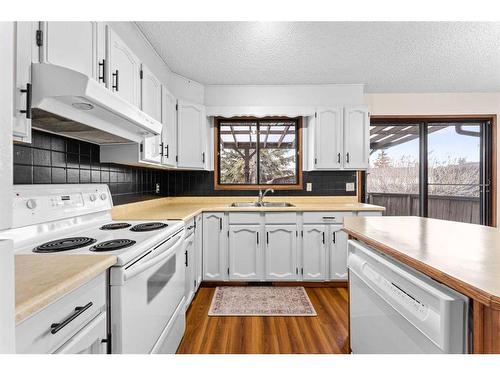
(147, 282)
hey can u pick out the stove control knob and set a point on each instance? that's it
(103, 196)
(92, 197)
(31, 204)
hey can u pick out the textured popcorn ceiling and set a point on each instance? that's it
(387, 57)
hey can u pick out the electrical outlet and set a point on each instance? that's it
(157, 188)
(349, 186)
(309, 186)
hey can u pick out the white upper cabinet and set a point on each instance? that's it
(214, 246)
(190, 135)
(356, 138)
(124, 69)
(281, 252)
(150, 93)
(169, 133)
(24, 55)
(314, 252)
(341, 138)
(245, 256)
(328, 138)
(74, 45)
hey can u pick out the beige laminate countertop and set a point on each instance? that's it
(465, 257)
(43, 278)
(184, 208)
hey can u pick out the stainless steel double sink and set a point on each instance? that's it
(263, 204)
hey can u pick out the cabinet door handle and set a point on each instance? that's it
(161, 148)
(56, 327)
(257, 238)
(186, 255)
(347, 157)
(323, 235)
(267, 237)
(220, 223)
(167, 150)
(102, 78)
(338, 158)
(333, 237)
(328, 217)
(27, 109)
(115, 76)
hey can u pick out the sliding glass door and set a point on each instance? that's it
(439, 169)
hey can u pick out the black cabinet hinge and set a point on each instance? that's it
(39, 38)
(141, 147)
(141, 74)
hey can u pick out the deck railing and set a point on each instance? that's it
(456, 208)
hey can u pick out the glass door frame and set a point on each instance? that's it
(488, 171)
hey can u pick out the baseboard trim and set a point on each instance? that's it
(310, 284)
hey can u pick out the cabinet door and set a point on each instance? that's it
(150, 93)
(214, 247)
(91, 339)
(190, 268)
(245, 256)
(314, 252)
(281, 252)
(124, 69)
(198, 232)
(190, 135)
(73, 45)
(24, 45)
(338, 253)
(328, 138)
(169, 133)
(356, 138)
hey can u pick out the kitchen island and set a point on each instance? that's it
(464, 257)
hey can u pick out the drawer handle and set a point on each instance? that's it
(56, 327)
(328, 217)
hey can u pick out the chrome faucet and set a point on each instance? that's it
(262, 195)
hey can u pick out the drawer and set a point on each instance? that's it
(244, 218)
(370, 213)
(323, 217)
(34, 335)
(281, 217)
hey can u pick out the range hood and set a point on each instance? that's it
(70, 103)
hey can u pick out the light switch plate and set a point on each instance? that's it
(349, 186)
(309, 186)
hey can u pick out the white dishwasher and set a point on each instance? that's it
(395, 309)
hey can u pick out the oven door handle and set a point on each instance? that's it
(141, 266)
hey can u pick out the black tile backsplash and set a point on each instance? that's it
(52, 159)
(59, 160)
(201, 183)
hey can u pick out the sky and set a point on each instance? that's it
(443, 144)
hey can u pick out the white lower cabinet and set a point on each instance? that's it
(214, 246)
(189, 254)
(198, 246)
(90, 340)
(314, 252)
(245, 255)
(281, 252)
(338, 253)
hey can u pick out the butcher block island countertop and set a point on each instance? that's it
(42, 279)
(184, 208)
(466, 257)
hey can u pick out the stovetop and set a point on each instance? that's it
(125, 243)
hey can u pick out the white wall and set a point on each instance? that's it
(182, 88)
(283, 95)
(7, 323)
(438, 104)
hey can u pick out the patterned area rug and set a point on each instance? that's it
(261, 300)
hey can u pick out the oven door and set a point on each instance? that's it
(143, 303)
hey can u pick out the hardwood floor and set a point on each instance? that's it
(325, 333)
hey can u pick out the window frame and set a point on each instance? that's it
(297, 186)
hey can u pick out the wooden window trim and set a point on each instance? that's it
(217, 186)
(479, 117)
